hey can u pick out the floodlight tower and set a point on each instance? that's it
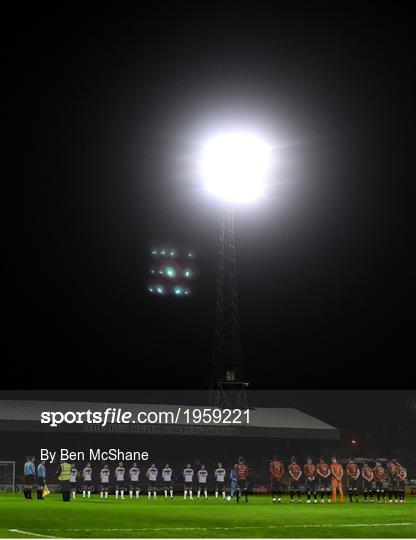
(234, 167)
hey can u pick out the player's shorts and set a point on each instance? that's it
(243, 483)
(120, 485)
(41, 481)
(87, 483)
(29, 478)
(188, 486)
(276, 484)
(134, 484)
(73, 486)
(202, 485)
(336, 484)
(379, 485)
(234, 484)
(104, 485)
(151, 484)
(310, 485)
(324, 483)
(367, 485)
(220, 486)
(294, 485)
(167, 484)
(400, 485)
(352, 484)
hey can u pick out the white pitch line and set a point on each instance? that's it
(31, 533)
(404, 524)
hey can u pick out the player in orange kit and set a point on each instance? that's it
(242, 476)
(336, 480)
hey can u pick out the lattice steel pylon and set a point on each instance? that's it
(228, 388)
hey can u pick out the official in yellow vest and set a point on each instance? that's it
(64, 472)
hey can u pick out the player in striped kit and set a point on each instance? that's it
(87, 480)
(220, 481)
(295, 473)
(134, 474)
(73, 480)
(353, 474)
(277, 471)
(188, 477)
(167, 481)
(309, 470)
(324, 475)
(401, 479)
(202, 481)
(368, 477)
(380, 476)
(105, 480)
(152, 474)
(242, 476)
(120, 472)
(392, 473)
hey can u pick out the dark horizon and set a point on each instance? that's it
(111, 108)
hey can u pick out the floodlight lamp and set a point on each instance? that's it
(235, 166)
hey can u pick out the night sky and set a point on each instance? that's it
(111, 108)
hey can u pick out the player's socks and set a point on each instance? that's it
(122, 493)
(137, 493)
(83, 493)
(166, 493)
(73, 494)
(206, 494)
(350, 495)
(223, 494)
(154, 494)
(131, 494)
(116, 493)
(341, 494)
(184, 494)
(198, 493)
(89, 494)
(171, 493)
(102, 494)
(216, 494)
(106, 494)
(190, 493)
(148, 494)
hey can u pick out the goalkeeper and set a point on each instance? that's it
(235, 488)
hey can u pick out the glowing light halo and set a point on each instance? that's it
(235, 165)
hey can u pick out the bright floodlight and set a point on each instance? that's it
(235, 167)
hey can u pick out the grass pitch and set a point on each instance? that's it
(160, 518)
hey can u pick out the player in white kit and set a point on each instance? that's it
(167, 481)
(73, 476)
(87, 480)
(202, 481)
(120, 472)
(134, 474)
(188, 476)
(105, 480)
(220, 481)
(152, 474)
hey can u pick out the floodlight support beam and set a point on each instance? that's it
(228, 389)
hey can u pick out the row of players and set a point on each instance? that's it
(314, 478)
(328, 479)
